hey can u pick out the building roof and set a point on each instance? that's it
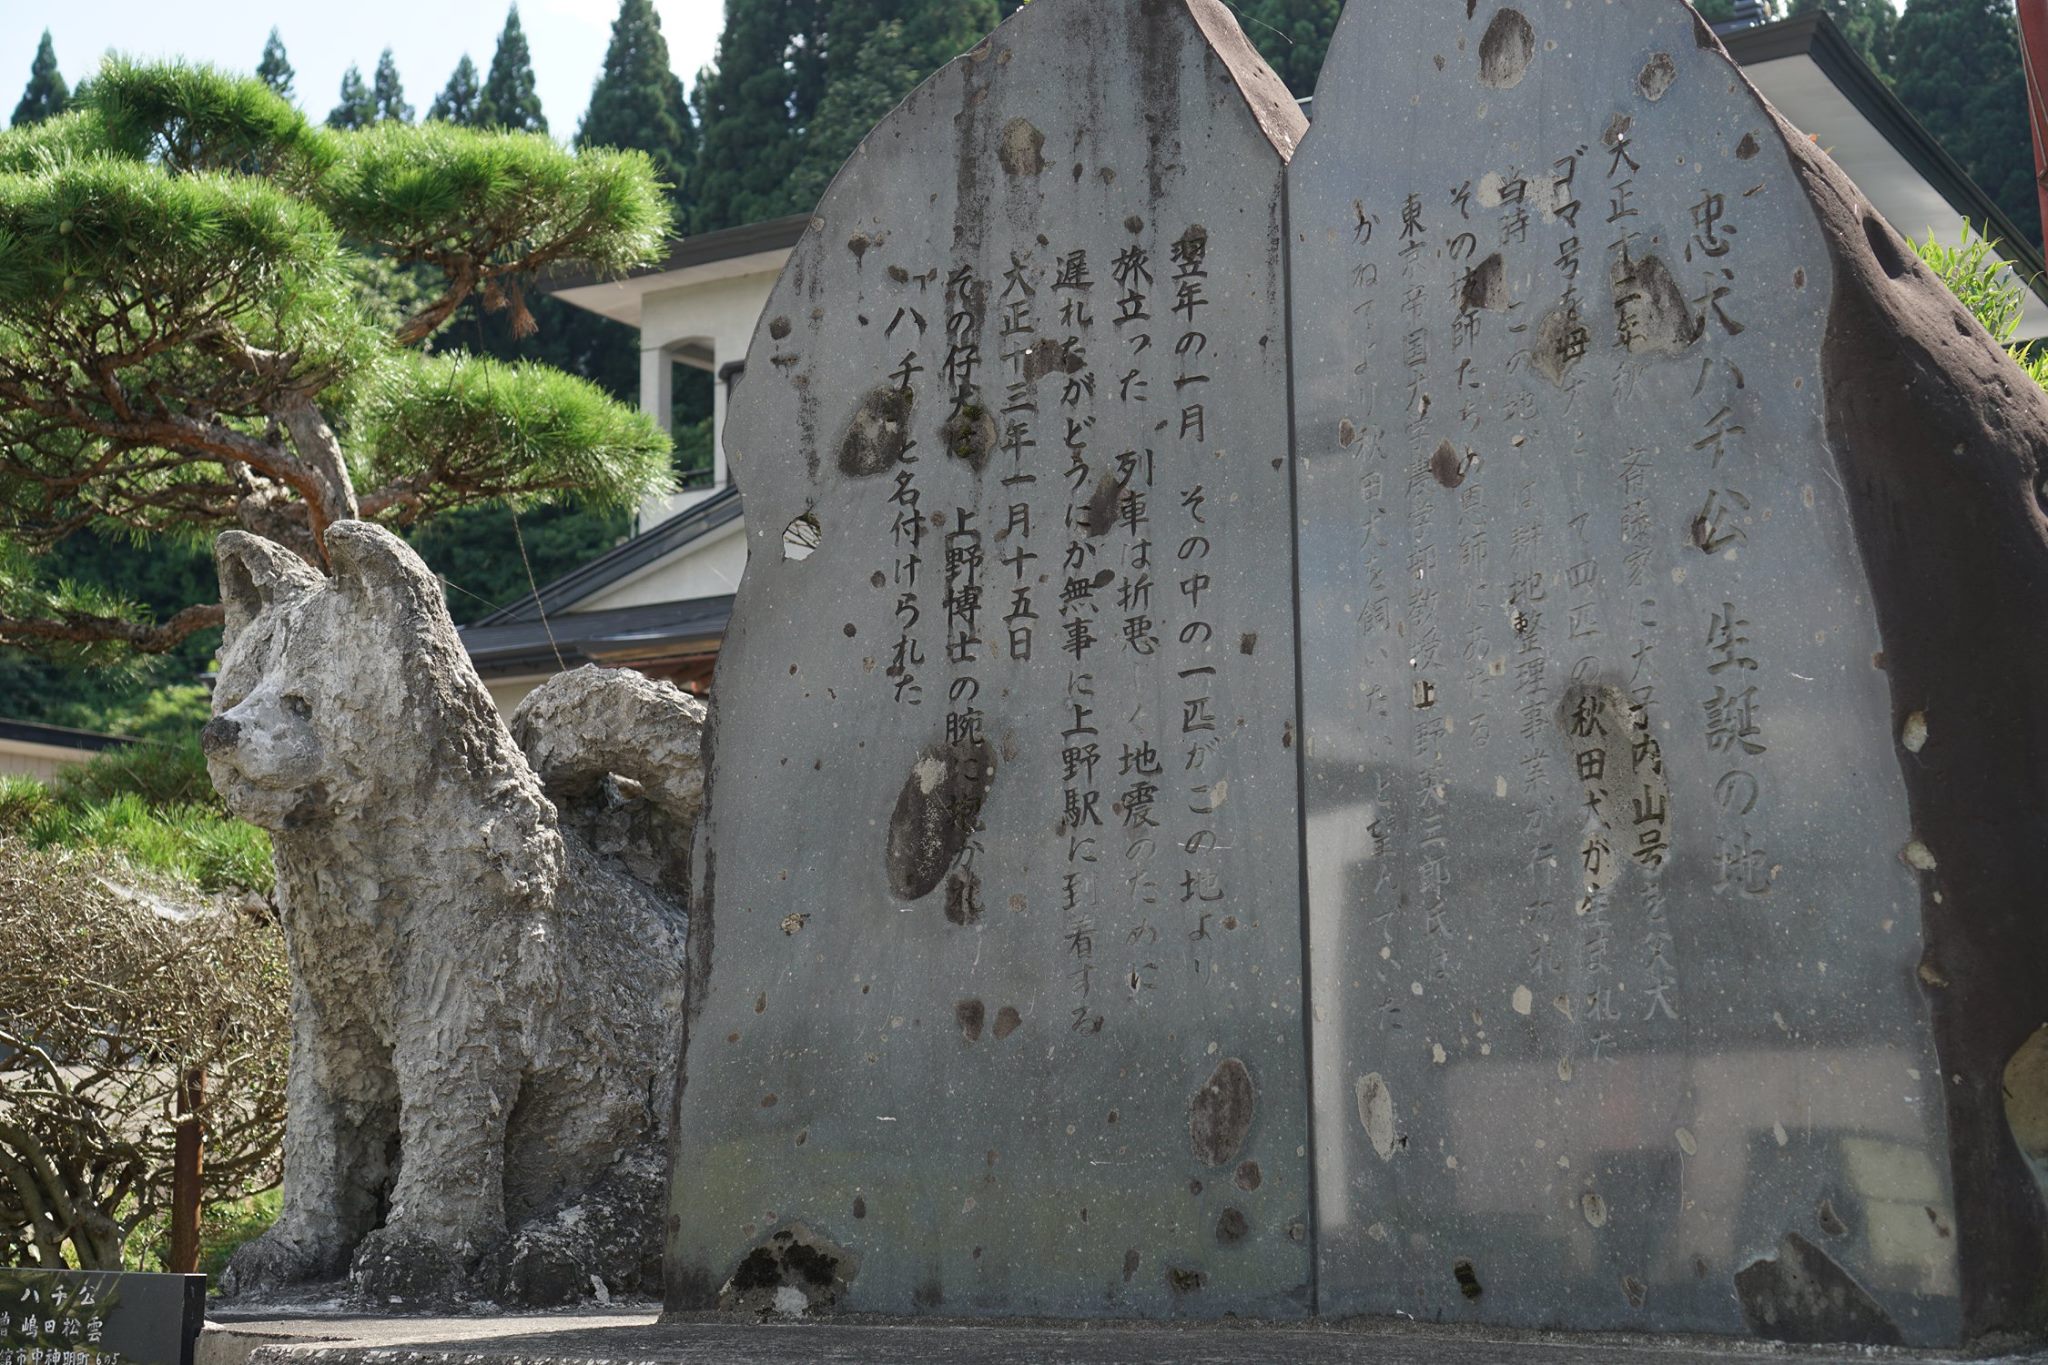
(619, 636)
(59, 737)
(1880, 171)
(627, 558)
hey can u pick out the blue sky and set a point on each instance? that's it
(427, 37)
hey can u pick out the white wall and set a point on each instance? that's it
(707, 567)
(41, 761)
(714, 314)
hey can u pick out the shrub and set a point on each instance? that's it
(113, 984)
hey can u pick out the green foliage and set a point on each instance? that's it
(208, 315)
(1956, 65)
(388, 92)
(358, 108)
(638, 101)
(799, 83)
(1293, 36)
(428, 193)
(46, 95)
(1984, 282)
(459, 101)
(752, 106)
(274, 70)
(509, 99)
(1988, 286)
(456, 429)
(476, 551)
(87, 811)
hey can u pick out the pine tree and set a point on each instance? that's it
(875, 52)
(752, 104)
(357, 109)
(389, 94)
(46, 95)
(458, 102)
(274, 71)
(1292, 35)
(274, 233)
(1956, 65)
(638, 100)
(509, 99)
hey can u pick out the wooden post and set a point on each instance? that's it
(187, 1161)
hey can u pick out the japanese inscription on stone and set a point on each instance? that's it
(1003, 1004)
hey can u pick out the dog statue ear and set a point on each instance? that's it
(364, 554)
(255, 575)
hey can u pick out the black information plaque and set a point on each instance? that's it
(72, 1317)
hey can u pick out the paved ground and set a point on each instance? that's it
(633, 1335)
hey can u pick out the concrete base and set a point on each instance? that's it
(634, 1334)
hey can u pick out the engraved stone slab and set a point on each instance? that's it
(996, 1004)
(1630, 954)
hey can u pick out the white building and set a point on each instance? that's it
(660, 601)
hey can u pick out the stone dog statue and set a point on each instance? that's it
(486, 943)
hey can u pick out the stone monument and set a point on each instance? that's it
(1669, 560)
(1613, 907)
(1000, 1008)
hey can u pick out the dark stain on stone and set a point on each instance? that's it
(899, 275)
(1799, 279)
(1022, 151)
(970, 1014)
(778, 328)
(858, 244)
(1635, 1291)
(1940, 1225)
(1184, 1282)
(792, 1258)
(1133, 224)
(1131, 1263)
(1194, 1186)
(1346, 433)
(1249, 1176)
(1561, 341)
(1248, 642)
(1656, 76)
(1220, 1115)
(1232, 1227)
(1046, 356)
(878, 434)
(963, 898)
(1747, 148)
(1102, 504)
(761, 1003)
(1446, 466)
(935, 812)
(1617, 131)
(1650, 307)
(929, 1294)
(1486, 286)
(877, 579)
(1505, 50)
(1439, 60)
(849, 630)
(768, 1101)
(970, 432)
(1008, 1021)
(1804, 1295)
(1467, 1278)
(1830, 1222)
(860, 1207)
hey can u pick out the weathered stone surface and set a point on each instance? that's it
(1000, 855)
(1671, 563)
(485, 1010)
